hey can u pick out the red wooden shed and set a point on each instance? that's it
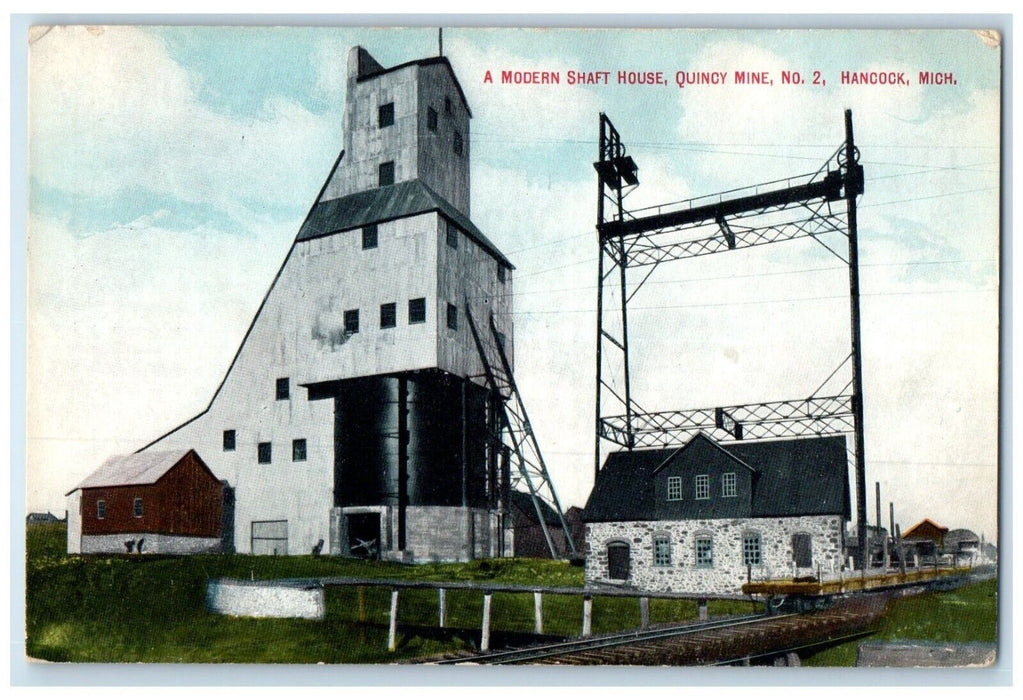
(150, 502)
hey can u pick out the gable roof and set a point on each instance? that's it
(524, 502)
(369, 71)
(805, 476)
(924, 529)
(140, 468)
(701, 438)
(396, 201)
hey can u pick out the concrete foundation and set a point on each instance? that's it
(265, 599)
(152, 544)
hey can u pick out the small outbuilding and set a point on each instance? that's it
(926, 538)
(150, 503)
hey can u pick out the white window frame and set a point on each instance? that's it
(706, 562)
(662, 550)
(748, 540)
(101, 509)
(702, 487)
(728, 485)
(674, 488)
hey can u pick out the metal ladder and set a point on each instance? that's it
(529, 467)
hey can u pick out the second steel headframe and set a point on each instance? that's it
(808, 205)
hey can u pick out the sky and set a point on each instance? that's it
(171, 168)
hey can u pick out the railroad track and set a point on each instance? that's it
(727, 640)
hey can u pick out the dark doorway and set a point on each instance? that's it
(802, 550)
(618, 561)
(364, 535)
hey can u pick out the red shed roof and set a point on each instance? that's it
(925, 529)
(134, 469)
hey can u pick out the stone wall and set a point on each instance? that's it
(153, 544)
(727, 572)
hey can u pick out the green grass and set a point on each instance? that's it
(967, 614)
(151, 609)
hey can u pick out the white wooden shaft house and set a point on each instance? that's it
(355, 411)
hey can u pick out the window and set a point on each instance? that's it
(728, 484)
(702, 486)
(101, 509)
(452, 317)
(388, 315)
(457, 144)
(352, 321)
(431, 119)
(369, 236)
(674, 488)
(500, 273)
(618, 560)
(298, 450)
(385, 115)
(452, 235)
(751, 549)
(704, 552)
(417, 310)
(136, 508)
(265, 453)
(386, 173)
(662, 550)
(802, 550)
(283, 389)
(447, 105)
(229, 441)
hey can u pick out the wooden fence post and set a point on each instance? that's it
(538, 612)
(587, 615)
(702, 603)
(442, 608)
(392, 633)
(485, 632)
(644, 612)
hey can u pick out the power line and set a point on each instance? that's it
(761, 301)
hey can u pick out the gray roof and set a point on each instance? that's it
(524, 502)
(806, 476)
(396, 201)
(133, 470)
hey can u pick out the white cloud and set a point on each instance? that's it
(519, 112)
(129, 334)
(111, 112)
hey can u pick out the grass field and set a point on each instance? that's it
(151, 609)
(967, 614)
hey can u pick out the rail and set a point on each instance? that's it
(543, 651)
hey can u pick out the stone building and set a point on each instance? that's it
(354, 417)
(703, 518)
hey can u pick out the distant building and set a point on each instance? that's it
(356, 412)
(926, 538)
(962, 545)
(161, 502)
(526, 537)
(703, 517)
(42, 518)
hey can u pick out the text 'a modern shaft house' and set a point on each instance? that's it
(356, 412)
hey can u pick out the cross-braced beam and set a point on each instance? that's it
(529, 473)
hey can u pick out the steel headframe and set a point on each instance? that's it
(807, 205)
(529, 470)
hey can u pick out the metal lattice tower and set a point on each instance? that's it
(529, 471)
(808, 205)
